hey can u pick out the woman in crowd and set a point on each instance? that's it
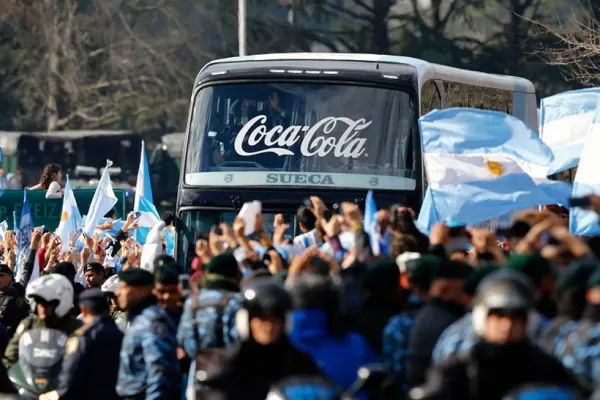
(50, 181)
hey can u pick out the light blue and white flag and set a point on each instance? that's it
(70, 219)
(565, 120)
(3, 228)
(170, 241)
(24, 238)
(587, 181)
(481, 165)
(103, 201)
(371, 226)
(143, 190)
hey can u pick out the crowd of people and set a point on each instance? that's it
(461, 313)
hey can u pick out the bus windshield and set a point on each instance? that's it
(302, 134)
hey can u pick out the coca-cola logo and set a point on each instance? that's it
(315, 139)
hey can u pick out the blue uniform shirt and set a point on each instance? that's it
(207, 322)
(581, 352)
(460, 336)
(149, 364)
(92, 352)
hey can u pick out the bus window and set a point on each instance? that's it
(200, 222)
(484, 98)
(301, 134)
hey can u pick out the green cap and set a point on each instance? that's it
(576, 274)
(534, 266)
(166, 274)
(450, 269)
(382, 276)
(225, 265)
(136, 277)
(476, 276)
(422, 273)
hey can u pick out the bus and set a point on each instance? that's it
(280, 127)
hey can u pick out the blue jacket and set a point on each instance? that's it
(338, 357)
(149, 364)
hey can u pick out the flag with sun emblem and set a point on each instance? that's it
(482, 165)
(70, 219)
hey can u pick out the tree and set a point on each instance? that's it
(86, 64)
(574, 47)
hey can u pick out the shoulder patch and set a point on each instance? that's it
(160, 330)
(71, 346)
(20, 329)
(80, 331)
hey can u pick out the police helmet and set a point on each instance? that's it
(52, 287)
(506, 290)
(263, 298)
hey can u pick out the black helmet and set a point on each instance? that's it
(502, 290)
(164, 259)
(266, 298)
(262, 298)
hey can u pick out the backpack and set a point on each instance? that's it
(210, 358)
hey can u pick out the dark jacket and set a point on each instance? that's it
(250, 370)
(374, 316)
(92, 352)
(13, 309)
(430, 323)
(488, 372)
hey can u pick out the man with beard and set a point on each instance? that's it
(503, 359)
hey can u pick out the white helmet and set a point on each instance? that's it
(111, 285)
(53, 287)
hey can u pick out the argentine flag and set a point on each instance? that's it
(143, 200)
(70, 219)
(24, 239)
(587, 181)
(565, 120)
(103, 201)
(481, 165)
(372, 227)
(3, 228)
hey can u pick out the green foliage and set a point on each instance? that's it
(131, 64)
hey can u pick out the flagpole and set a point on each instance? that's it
(242, 27)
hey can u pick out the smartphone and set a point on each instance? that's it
(327, 214)
(337, 209)
(582, 202)
(457, 231)
(184, 281)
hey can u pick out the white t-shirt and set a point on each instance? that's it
(53, 191)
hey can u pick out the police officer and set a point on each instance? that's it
(52, 297)
(397, 331)
(149, 368)
(503, 358)
(110, 288)
(582, 346)
(90, 366)
(94, 274)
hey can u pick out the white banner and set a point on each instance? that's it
(284, 178)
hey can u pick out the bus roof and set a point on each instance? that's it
(425, 69)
